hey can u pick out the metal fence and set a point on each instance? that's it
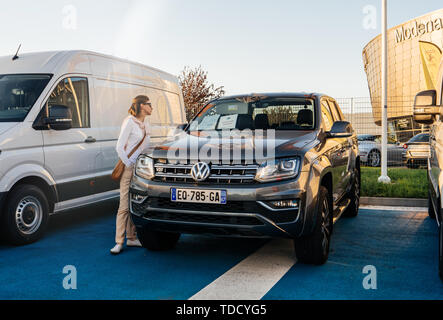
(408, 141)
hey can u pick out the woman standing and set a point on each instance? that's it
(133, 131)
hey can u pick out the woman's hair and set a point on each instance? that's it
(136, 104)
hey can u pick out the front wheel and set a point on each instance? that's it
(156, 240)
(431, 210)
(374, 158)
(440, 256)
(314, 248)
(26, 216)
(354, 196)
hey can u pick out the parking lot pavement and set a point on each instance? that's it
(401, 245)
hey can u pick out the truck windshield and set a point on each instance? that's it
(261, 114)
(18, 93)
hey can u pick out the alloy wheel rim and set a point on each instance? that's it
(326, 226)
(375, 159)
(357, 191)
(28, 215)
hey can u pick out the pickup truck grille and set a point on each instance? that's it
(220, 173)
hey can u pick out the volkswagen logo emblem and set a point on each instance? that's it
(200, 171)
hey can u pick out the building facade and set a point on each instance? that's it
(414, 56)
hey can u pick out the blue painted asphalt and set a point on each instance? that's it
(35, 271)
(401, 245)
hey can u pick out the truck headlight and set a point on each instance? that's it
(276, 170)
(145, 167)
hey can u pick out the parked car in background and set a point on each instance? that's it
(369, 146)
(307, 180)
(428, 109)
(416, 151)
(60, 117)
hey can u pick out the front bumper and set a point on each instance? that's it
(246, 214)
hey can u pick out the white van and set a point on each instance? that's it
(60, 117)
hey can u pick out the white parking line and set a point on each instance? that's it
(415, 209)
(252, 278)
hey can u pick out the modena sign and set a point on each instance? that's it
(418, 29)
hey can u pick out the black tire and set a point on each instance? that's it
(412, 165)
(26, 216)
(156, 240)
(354, 195)
(440, 255)
(314, 248)
(374, 158)
(431, 210)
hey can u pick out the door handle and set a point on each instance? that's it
(90, 140)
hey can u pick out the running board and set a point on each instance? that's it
(339, 210)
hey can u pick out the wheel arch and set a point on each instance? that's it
(323, 180)
(48, 190)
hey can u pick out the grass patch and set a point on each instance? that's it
(406, 183)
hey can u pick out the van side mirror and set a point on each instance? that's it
(181, 127)
(425, 108)
(340, 129)
(60, 118)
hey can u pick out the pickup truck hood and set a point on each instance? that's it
(286, 144)
(5, 126)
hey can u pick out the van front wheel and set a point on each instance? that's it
(431, 210)
(440, 255)
(26, 216)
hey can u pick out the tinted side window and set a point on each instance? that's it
(326, 115)
(420, 138)
(423, 138)
(73, 93)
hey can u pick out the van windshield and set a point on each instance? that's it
(260, 114)
(18, 93)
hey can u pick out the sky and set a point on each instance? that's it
(245, 45)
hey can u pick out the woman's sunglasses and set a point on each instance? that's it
(147, 104)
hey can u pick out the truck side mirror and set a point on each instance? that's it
(340, 129)
(60, 118)
(425, 108)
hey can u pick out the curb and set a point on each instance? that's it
(394, 202)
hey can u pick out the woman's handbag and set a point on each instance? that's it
(117, 173)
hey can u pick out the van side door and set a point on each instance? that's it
(71, 155)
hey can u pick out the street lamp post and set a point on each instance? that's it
(384, 178)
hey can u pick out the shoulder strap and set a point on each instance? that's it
(137, 146)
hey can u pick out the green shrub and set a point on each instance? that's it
(406, 183)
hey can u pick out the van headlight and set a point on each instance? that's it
(145, 167)
(276, 170)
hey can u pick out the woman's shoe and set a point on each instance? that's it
(117, 249)
(133, 243)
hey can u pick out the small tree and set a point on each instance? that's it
(196, 90)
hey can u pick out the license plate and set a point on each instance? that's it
(199, 196)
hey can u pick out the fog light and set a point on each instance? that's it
(285, 204)
(137, 198)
